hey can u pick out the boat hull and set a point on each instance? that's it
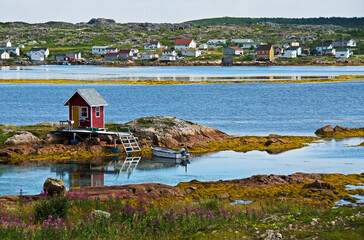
(167, 153)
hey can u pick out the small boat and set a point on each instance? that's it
(170, 153)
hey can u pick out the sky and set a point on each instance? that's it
(171, 11)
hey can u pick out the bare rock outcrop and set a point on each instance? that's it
(23, 137)
(329, 130)
(170, 131)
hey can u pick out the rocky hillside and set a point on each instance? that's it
(61, 37)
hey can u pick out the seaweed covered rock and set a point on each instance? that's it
(170, 132)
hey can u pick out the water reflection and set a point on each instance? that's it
(93, 174)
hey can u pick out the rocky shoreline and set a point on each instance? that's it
(185, 189)
(22, 145)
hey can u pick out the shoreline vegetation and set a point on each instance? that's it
(297, 206)
(271, 79)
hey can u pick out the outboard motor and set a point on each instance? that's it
(184, 153)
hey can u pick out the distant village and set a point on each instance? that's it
(188, 48)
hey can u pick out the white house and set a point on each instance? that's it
(343, 53)
(289, 53)
(322, 48)
(36, 55)
(5, 44)
(215, 42)
(148, 56)
(298, 50)
(14, 50)
(4, 54)
(168, 55)
(203, 46)
(340, 43)
(233, 51)
(180, 44)
(40, 49)
(242, 41)
(247, 43)
(74, 55)
(99, 50)
(191, 52)
(153, 45)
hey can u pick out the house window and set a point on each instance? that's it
(97, 111)
(84, 112)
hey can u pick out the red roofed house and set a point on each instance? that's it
(111, 56)
(86, 108)
(233, 51)
(125, 54)
(181, 44)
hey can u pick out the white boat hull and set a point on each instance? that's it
(167, 153)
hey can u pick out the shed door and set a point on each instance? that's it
(76, 116)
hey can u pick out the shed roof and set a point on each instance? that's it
(91, 96)
(183, 41)
(264, 47)
(236, 48)
(127, 51)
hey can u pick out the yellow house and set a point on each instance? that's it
(265, 52)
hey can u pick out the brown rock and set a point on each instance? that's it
(324, 130)
(341, 129)
(276, 141)
(54, 186)
(93, 141)
(319, 185)
(54, 138)
(274, 136)
(107, 138)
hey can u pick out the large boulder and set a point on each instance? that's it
(54, 186)
(22, 137)
(170, 132)
(324, 130)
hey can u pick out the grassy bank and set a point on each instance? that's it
(80, 216)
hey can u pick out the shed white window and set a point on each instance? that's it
(84, 112)
(97, 111)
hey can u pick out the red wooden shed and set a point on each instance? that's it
(86, 108)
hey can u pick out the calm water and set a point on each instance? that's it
(242, 109)
(171, 73)
(335, 156)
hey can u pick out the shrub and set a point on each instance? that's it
(55, 206)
